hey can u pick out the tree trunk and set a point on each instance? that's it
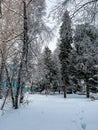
(10, 86)
(18, 88)
(3, 58)
(1, 76)
(22, 93)
(0, 10)
(87, 91)
(5, 98)
(24, 56)
(64, 91)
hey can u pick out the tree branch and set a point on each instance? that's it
(4, 4)
(29, 3)
(12, 38)
(89, 2)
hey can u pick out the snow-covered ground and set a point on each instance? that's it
(52, 113)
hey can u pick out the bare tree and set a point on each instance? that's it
(8, 34)
(81, 10)
(22, 32)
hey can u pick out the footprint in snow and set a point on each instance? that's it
(83, 125)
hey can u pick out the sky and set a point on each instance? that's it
(51, 23)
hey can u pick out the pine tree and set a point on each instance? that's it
(85, 41)
(50, 71)
(58, 68)
(65, 48)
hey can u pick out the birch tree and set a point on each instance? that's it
(24, 41)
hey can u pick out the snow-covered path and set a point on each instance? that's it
(53, 113)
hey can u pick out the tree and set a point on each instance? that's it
(49, 69)
(65, 48)
(23, 57)
(22, 34)
(8, 34)
(85, 10)
(58, 66)
(37, 31)
(85, 41)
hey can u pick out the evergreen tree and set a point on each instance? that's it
(58, 67)
(65, 48)
(50, 70)
(85, 41)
